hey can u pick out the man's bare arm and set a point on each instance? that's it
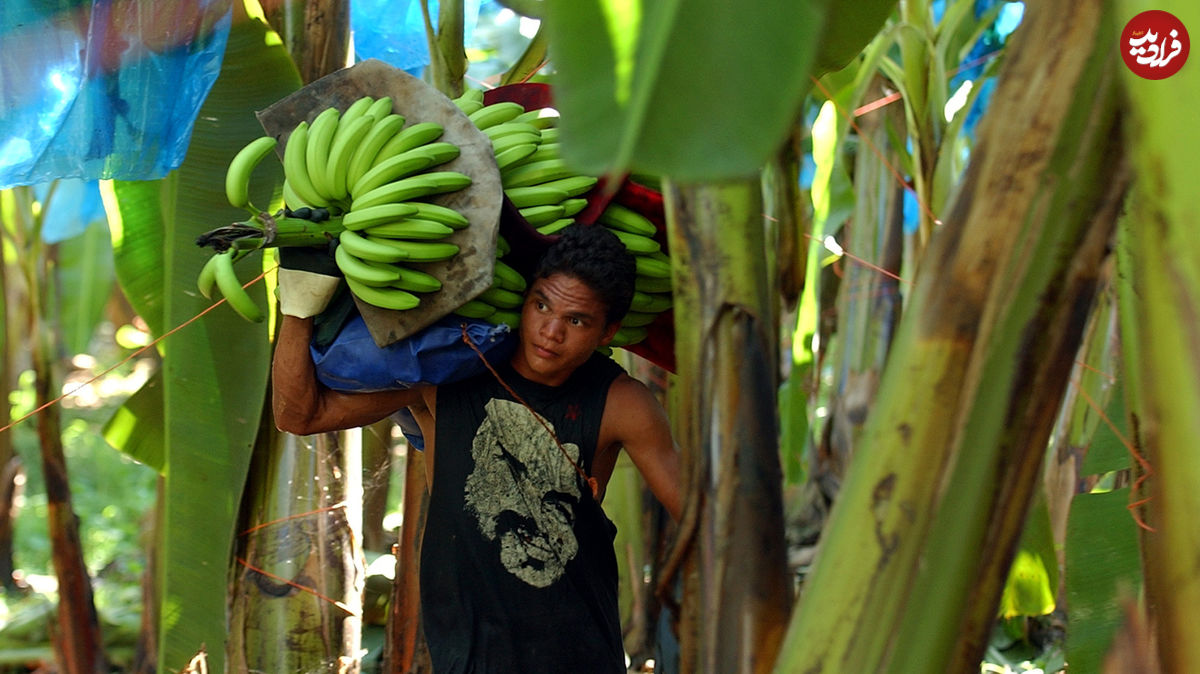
(639, 423)
(303, 406)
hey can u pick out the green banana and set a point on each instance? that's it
(404, 164)
(510, 318)
(295, 168)
(381, 108)
(438, 213)
(412, 187)
(625, 219)
(502, 246)
(637, 319)
(496, 113)
(418, 251)
(537, 216)
(573, 185)
(237, 176)
(364, 154)
(542, 118)
(649, 265)
(410, 228)
(377, 215)
(235, 295)
(513, 155)
(475, 309)
(470, 100)
(543, 152)
(628, 336)
(572, 207)
(650, 303)
(636, 243)
(501, 298)
(342, 151)
(370, 249)
(535, 195)
(650, 284)
(535, 173)
(415, 280)
(555, 226)
(509, 128)
(354, 111)
(366, 272)
(413, 135)
(506, 143)
(316, 152)
(550, 134)
(207, 278)
(508, 278)
(384, 297)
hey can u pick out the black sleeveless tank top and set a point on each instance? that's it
(518, 572)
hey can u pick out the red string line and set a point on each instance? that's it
(281, 520)
(1147, 469)
(298, 586)
(874, 148)
(128, 358)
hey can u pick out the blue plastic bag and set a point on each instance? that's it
(393, 31)
(436, 355)
(107, 89)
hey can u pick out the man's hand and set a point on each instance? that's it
(308, 279)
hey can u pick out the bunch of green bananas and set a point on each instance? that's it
(501, 302)
(652, 285)
(534, 176)
(371, 174)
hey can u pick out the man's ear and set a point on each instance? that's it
(610, 331)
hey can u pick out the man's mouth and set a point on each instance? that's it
(543, 352)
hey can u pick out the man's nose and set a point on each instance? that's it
(553, 328)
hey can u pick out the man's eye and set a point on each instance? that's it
(541, 306)
(576, 322)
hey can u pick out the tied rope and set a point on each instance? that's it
(591, 481)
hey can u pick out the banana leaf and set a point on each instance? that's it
(214, 371)
(85, 281)
(696, 90)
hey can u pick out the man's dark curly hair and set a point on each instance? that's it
(596, 257)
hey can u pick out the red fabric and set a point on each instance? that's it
(528, 244)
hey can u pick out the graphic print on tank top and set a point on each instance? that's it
(523, 492)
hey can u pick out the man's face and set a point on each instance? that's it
(562, 323)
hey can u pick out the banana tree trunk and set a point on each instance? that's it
(300, 579)
(297, 580)
(1159, 252)
(914, 558)
(79, 647)
(737, 593)
(10, 463)
(868, 307)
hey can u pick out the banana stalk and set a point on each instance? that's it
(731, 545)
(1159, 299)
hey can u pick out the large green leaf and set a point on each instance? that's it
(697, 90)
(85, 280)
(214, 371)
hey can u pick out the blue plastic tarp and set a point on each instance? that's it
(107, 89)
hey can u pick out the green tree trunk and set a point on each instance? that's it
(1159, 254)
(914, 557)
(737, 593)
(79, 646)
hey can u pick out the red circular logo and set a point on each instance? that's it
(1154, 44)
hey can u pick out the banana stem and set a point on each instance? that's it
(264, 231)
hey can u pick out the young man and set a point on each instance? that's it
(518, 572)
